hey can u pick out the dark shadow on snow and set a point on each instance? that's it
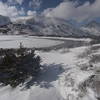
(49, 74)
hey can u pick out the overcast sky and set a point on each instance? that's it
(78, 10)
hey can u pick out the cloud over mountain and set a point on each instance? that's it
(8, 10)
(68, 10)
(65, 9)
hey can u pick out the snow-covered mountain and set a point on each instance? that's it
(93, 28)
(53, 27)
(44, 26)
(4, 20)
(40, 25)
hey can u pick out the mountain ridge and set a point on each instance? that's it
(93, 28)
(44, 26)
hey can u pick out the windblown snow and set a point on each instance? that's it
(64, 75)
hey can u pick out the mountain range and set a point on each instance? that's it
(93, 28)
(43, 26)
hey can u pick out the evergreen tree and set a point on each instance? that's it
(18, 64)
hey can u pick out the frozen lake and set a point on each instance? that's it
(27, 41)
(10, 41)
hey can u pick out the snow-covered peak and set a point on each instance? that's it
(92, 28)
(46, 20)
(93, 24)
(43, 26)
(22, 20)
(4, 20)
(53, 26)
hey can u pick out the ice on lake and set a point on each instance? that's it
(27, 41)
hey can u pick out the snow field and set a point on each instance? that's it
(60, 80)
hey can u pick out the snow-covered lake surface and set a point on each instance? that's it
(9, 41)
(27, 41)
(62, 76)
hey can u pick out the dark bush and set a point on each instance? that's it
(16, 65)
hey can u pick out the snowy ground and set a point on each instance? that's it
(66, 72)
